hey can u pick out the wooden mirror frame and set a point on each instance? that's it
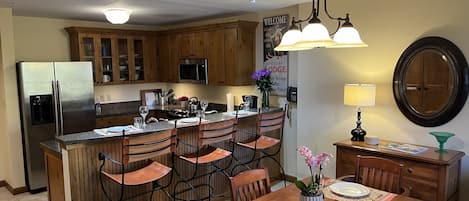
(459, 68)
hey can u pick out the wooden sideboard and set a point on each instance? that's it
(430, 175)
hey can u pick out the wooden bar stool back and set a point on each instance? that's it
(141, 148)
(265, 123)
(208, 155)
(250, 185)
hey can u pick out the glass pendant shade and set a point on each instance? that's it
(117, 15)
(289, 39)
(348, 36)
(315, 35)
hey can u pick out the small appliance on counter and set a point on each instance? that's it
(250, 100)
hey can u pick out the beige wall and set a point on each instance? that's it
(11, 141)
(3, 147)
(388, 27)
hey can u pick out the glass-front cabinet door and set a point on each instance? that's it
(106, 60)
(123, 53)
(138, 60)
(87, 51)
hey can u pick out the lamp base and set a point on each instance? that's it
(358, 134)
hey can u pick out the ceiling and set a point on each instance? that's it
(147, 12)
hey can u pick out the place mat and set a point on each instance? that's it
(375, 195)
(130, 130)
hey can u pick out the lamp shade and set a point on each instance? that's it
(289, 39)
(315, 35)
(359, 94)
(348, 36)
(117, 15)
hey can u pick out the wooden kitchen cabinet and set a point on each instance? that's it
(228, 47)
(167, 58)
(429, 175)
(216, 57)
(55, 177)
(118, 56)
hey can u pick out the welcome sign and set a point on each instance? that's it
(277, 62)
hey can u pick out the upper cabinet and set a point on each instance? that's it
(228, 47)
(130, 56)
(118, 56)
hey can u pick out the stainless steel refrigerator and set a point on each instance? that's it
(56, 98)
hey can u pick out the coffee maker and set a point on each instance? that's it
(251, 100)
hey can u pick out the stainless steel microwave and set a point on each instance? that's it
(193, 70)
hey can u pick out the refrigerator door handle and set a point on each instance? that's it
(59, 100)
(56, 109)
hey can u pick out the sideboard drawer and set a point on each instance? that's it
(417, 170)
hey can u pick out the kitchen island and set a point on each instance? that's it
(78, 154)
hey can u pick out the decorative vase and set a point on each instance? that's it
(265, 98)
(311, 198)
(441, 137)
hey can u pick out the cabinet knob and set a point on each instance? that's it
(410, 170)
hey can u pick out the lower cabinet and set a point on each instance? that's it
(55, 177)
(429, 175)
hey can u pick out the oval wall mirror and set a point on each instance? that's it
(431, 82)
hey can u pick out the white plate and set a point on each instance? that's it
(190, 120)
(349, 189)
(118, 129)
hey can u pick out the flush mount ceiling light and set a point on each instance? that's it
(315, 34)
(117, 15)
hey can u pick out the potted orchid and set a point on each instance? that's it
(312, 190)
(264, 84)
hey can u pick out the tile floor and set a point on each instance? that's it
(6, 196)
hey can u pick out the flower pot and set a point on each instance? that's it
(311, 198)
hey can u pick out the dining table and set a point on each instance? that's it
(292, 193)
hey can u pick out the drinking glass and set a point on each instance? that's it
(138, 121)
(203, 105)
(143, 112)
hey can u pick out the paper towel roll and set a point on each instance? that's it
(229, 102)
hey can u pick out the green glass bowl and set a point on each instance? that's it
(441, 137)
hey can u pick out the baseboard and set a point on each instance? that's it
(3, 183)
(289, 178)
(15, 191)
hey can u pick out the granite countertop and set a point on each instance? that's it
(51, 145)
(91, 136)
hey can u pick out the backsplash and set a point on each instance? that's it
(215, 94)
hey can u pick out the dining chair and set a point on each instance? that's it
(250, 185)
(379, 173)
(136, 149)
(262, 145)
(206, 157)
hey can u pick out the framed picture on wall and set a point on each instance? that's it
(274, 27)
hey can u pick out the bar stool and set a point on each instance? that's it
(207, 155)
(261, 143)
(141, 148)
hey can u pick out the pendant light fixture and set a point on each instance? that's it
(315, 34)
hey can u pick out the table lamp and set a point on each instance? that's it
(359, 95)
